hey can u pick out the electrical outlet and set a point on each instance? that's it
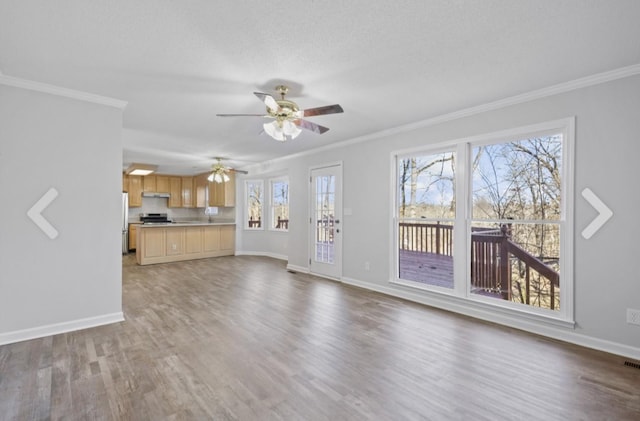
(174, 246)
(633, 316)
(367, 266)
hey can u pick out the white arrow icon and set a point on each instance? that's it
(35, 213)
(604, 213)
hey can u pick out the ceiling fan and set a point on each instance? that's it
(288, 116)
(220, 172)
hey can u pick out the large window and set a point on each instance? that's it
(426, 213)
(515, 228)
(506, 199)
(279, 204)
(254, 193)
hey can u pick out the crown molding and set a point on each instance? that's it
(560, 88)
(58, 91)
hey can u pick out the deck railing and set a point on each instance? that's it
(427, 238)
(282, 224)
(498, 264)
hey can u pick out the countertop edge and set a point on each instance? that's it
(171, 225)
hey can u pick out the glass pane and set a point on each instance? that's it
(280, 205)
(426, 252)
(324, 216)
(254, 204)
(517, 262)
(426, 205)
(518, 180)
(426, 186)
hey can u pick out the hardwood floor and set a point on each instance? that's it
(241, 338)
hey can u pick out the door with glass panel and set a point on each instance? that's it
(326, 222)
(426, 212)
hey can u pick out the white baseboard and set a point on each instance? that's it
(299, 269)
(57, 328)
(548, 329)
(261, 253)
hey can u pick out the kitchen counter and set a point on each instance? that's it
(173, 242)
(186, 224)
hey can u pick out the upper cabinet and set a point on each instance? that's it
(175, 191)
(184, 191)
(223, 194)
(135, 191)
(201, 186)
(149, 184)
(187, 192)
(162, 184)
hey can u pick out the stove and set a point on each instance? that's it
(154, 218)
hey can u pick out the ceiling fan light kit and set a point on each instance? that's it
(288, 122)
(219, 173)
(282, 130)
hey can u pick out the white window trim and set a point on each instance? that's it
(271, 213)
(461, 292)
(245, 223)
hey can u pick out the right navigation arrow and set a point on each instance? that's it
(604, 213)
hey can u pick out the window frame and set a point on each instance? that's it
(272, 213)
(464, 218)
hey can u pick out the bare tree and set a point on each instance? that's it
(415, 168)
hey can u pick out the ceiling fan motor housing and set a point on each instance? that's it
(286, 110)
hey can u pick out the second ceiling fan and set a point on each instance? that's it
(287, 116)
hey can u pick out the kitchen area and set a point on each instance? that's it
(168, 218)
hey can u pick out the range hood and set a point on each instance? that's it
(151, 194)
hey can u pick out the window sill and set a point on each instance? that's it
(484, 308)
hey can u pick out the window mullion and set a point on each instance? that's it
(460, 230)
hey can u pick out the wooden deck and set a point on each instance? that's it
(432, 269)
(429, 268)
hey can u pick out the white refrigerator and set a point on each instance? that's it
(125, 223)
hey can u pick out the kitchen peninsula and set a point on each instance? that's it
(174, 242)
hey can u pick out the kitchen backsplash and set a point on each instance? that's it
(159, 205)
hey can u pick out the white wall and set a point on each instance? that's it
(74, 146)
(607, 267)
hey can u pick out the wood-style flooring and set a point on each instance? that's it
(240, 338)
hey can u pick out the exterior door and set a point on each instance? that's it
(326, 222)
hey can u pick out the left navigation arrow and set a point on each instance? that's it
(35, 213)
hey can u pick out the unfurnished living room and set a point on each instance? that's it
(313, 210)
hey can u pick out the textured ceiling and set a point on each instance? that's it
(178, 63)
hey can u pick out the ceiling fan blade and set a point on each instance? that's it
(238, 171)
(327, 109)
(240, 115)
(268, 100)
(316, 128)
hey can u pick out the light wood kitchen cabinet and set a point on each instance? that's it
(125, 183)
(187, 192)
(173, 243)
(162, 184)
(223, 194)
(149, 183)
(200, 187)
(175, 192)
(133, 231)
(135, 191)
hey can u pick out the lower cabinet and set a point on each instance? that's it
(172, 244)
(133, 236)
